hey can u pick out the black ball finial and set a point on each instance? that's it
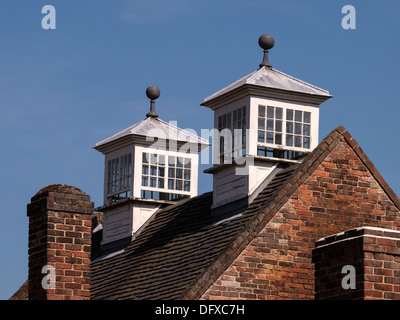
(266, 41)
(152, 92)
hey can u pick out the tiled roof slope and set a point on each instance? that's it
(181, 253)
(172, 251)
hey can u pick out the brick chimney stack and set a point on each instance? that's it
(59, 244)
(374, 256)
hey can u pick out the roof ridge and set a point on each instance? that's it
(370, 166)
(249, 231)
(138, 125)
(263, 215)
(168, 242)
(255, 74)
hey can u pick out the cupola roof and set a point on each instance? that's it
(153, 127)
(268, 78)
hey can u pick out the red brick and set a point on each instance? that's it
(340, 194)
(58, 235)
(383, 287)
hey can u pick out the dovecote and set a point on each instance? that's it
(265, 120)
(147, 166)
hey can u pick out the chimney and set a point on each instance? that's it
(358, 264)
(59, 244)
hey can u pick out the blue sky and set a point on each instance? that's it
(63, 90)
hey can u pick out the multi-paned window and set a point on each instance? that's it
(283, 127)
(119, 174)
(169, 173)
(179, 173)
(235, 122)
(270, 121)
(153, 170)
(298, 128)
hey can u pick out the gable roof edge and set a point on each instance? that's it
(370, 166)
(265, 214)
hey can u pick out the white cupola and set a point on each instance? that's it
(264, 121)
(147, 166)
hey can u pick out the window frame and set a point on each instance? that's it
(234, 123)
(283, 132)
(174, 193)
(127, 168)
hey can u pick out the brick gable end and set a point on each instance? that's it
(344, 191)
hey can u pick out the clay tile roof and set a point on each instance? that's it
(182, 252)
(173, 250)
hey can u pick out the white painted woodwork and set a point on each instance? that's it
(122, 220)
(267, 87)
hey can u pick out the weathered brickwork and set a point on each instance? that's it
(340, 193)
(60, 237)
(375, 255)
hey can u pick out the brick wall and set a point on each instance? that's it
(375, 255)
(59, 237)
(337, 194)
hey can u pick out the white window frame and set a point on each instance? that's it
(283, 120)
(180, 164)
(275, 120)
(308, 107)
(230, 149)
(303, 124)
(148, 173)
(123, 174)
(139, 165)
(110, 197)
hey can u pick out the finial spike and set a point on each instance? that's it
(152, 92)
